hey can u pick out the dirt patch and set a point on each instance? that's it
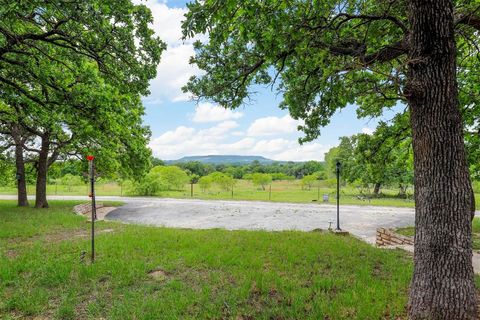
(159, 275)
(11, 254)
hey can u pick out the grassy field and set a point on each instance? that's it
(281, 191)
(158, 273)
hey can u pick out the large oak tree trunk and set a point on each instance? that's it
(22, 199)
(42, 169)
(443, 282)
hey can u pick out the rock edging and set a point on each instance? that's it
(84, 208)
(387, 237)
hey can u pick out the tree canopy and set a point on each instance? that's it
(71, 77)
(45, 45)
(321, 55)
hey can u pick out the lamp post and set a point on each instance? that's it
(94, 207)
(338, 166)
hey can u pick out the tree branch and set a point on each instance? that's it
(469, 19)
(358, 50)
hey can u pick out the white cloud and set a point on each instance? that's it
(174, 69)
(173, 73)
(178, 135)
(167, 22)
(368, 131)
(190, 141)
(271, 146)
(208, 112)
(272, 125)
(296, 152)
(217, 132)
(221, 139)
(238, 133)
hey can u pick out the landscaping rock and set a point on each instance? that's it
(387, 237)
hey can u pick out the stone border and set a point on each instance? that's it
(387, 237)
(84, 208)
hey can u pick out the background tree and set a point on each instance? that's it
(261, 180)
(150, 185)
(308, 181)
(13, 137)
(324, 55)
(70, 181)
(281, 176)
(205, 183)
(235, 172)
(173, 177)
(115, 133)
(385, 157)
(193, 180)
(222, 181)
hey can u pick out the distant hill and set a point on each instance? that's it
(224, 159)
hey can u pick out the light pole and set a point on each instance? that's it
(94, 207)
(338, 166)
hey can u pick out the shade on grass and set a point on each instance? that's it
(204, 273)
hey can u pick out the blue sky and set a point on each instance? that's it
(181, 127)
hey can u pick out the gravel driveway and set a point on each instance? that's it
(361, 221)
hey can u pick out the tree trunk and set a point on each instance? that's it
(22, 200)
(402, 191)
(442, 286)
(42, 169)
(376, 189)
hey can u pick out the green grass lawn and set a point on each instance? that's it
(201, 274)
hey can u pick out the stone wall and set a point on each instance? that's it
(85, 208)
(387, 237)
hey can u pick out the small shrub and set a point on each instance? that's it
(261, 179)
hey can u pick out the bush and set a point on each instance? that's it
(331, 183)
(309, 181)
(205, 183)
(247, 176)
(69, 180)
(476, 186)
(172, 177)
(150, 185)
(261, 179)
(161, 178)
(282, 176)
(222, 181)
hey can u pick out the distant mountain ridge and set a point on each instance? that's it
(224, 159)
